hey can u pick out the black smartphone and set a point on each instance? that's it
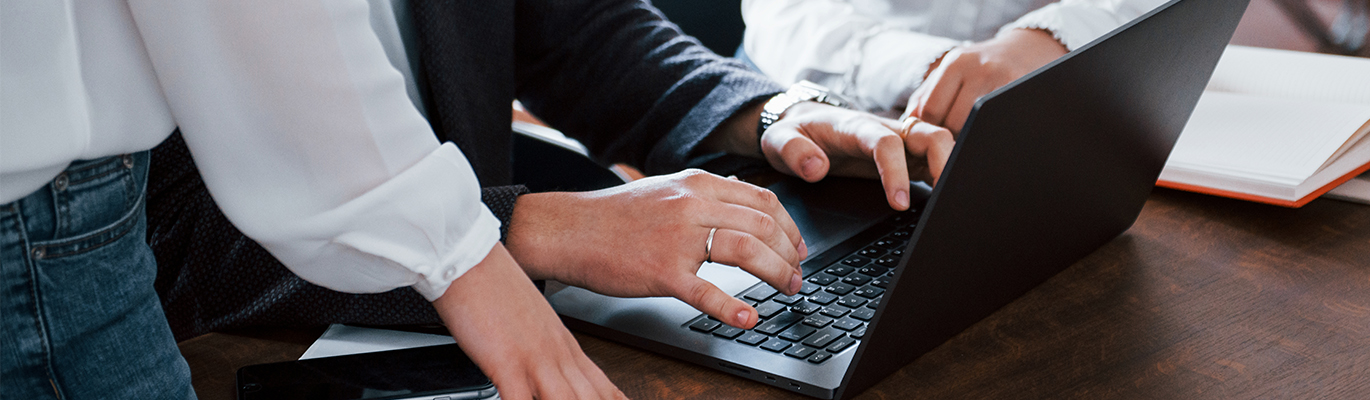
(427, 373)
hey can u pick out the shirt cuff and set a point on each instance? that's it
(470, 251)
(1073, 26)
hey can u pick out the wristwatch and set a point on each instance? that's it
(799, 92)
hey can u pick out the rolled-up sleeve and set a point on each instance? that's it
(304, 134)
(1075, 23)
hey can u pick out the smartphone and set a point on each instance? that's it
(420, 373)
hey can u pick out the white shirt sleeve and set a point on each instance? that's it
(873, 64)
(1075, 23)
(304, 134)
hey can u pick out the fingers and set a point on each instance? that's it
(747, 252)
(940, 91)
(933, 144)
(709, 299)
(578, 382)
(890, 164)
(762, 199)
(791, 152)
(603, 386)
(757, 225)
(965, 101)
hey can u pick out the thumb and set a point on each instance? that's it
(790, 151)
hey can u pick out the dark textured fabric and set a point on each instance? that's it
(210, 277)
(613, 74)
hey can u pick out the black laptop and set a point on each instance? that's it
(1047, 169)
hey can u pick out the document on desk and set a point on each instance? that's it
(341, 340)
(1275, 126)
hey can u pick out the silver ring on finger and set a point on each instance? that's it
(709, 246)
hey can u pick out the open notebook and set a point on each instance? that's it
(1275, 126)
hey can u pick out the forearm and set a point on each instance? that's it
(628, 84)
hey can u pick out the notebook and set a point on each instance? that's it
(1046, 170)
(1276, 126)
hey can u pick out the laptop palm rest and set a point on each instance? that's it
(827, 213)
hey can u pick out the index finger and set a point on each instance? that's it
(888, 152)
(711, 300)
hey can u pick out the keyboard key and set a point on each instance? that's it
(841, 289)
(705, 325)
(851, 302)
(760, 293)
(873, 270)
(819, 357)
(902, 234)
(870, 292)
(776, 345)
(848, 324)
(888, 243)
(769, 309)
(797, 332)
(856, 280)
(805, 308)
(822, 279)
(896, 253)
(835, 311)
(752, 338)
(809, 288)
(882, 282)
(858, 333)
(864, 314)
(841, 344)
(822, 338)
(779, 323)
(788, 300)
(856, 261)
(800, 352)
(728, 332)
(823, 298)
(840, 270)
(871, 252)
(887, 261)
(874, 304)
(817, 321)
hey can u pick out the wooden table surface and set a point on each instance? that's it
(1203, 298)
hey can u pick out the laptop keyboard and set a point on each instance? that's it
(830, 313)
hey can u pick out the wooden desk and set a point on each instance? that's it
(1203, 298)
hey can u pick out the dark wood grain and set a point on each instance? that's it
(1204, 298)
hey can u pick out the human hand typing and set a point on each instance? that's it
(649, 238)
(965, 74)
(814, 140)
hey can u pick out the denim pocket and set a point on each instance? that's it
(94, 203)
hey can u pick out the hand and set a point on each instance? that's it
(647, 238)
(813, 140)
(501, 321)
(964, 74)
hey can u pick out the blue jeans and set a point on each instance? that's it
(79, 314)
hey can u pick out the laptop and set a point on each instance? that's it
(1046, 170)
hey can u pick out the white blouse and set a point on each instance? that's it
(875, 52)
(299, 124)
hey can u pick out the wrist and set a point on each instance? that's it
(737, 135)
(536, 228)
